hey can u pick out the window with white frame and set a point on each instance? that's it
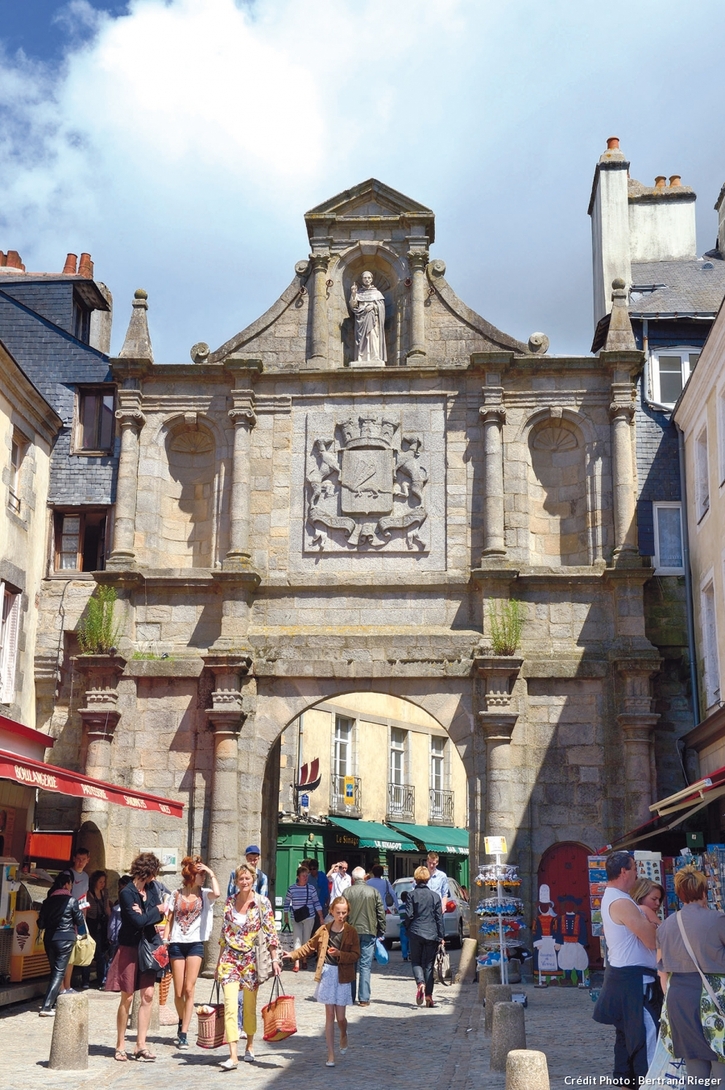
(668, 538)
(437, 763)
(9, 627)
(398, 740)
(702, 476)
(709, 645)
(670, 369)
(721, 431)
(342, 753)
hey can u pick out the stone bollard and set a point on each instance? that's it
(526, 1070)
(489, 974)
(514, 971)
(155, 1022)
(69, 1047)
(495, 993)
(467, 963)
(509, 1032)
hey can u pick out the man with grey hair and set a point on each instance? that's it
(367, 916)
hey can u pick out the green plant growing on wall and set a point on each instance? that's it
(97, 634)
(507, 622)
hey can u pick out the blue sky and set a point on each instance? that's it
(181, 141)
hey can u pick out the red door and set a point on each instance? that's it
(563, 869)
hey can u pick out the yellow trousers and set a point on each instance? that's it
(249, 1011)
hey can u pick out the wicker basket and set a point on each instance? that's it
(279, 1014)
(210, 1022)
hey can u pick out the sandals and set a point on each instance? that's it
(120, 1055)
(144, 1056)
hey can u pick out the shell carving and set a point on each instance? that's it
(555, 440)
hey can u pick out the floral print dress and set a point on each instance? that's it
(238, 960)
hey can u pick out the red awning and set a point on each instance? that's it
(50, 778)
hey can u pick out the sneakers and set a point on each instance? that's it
(249, 1056)
(183, 1043)
(46, 1013)
(228, 1065)
(178, 1033)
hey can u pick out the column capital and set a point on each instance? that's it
(243, 415)
(495, 413)
(636, 727)
(418, 259)
(99, 722)
(228, 721)
(319, 260)
(621, 411)
(497, 727)
(130, 417)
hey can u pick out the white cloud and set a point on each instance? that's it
(183, 142)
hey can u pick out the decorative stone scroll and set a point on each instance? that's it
(366, 486)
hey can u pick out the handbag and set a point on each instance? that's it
(278, 1015)
(712, 1014)
(210, 1021)
(304, 912)
(153, 955)
(442, 967)
(262, 956)
(83, 952)
(381, 954)
(389, 895)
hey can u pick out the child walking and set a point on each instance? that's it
(338, 948)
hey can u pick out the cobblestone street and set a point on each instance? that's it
(392, 1042)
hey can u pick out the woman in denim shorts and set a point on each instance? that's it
(188, 927)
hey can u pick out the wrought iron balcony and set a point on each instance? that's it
(341, 801)
(401, 802)
(440, 807)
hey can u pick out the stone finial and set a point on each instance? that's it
(137, 345)
(620, 337)
(200, 352)
(539, 344)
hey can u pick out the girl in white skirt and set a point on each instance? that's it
(338, 948)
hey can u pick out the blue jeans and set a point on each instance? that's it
(363, 969)
(404, 940)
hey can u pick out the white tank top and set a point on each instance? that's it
(623, 946)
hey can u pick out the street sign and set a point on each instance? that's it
(494, 845)
(305, 801)
(349, 782)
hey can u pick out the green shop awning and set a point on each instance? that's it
(436, 838)
(371, 834)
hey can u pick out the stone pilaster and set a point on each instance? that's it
(621, 412)
(131, 420)
(637, 722)
(243, 417)
(498, 719)
(100, 716)
(318, 340)
(417, 260)
(493, 416)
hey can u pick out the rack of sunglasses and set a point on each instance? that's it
(501, 914)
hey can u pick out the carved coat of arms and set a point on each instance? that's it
(367, 484)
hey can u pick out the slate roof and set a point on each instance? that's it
(694, 287)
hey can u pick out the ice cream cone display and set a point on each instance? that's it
(22, 934)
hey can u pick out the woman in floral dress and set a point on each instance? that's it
(245, 915)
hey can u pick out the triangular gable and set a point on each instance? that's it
(368, 200)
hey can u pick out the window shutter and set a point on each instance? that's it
(10, 651)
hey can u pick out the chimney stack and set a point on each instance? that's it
(675, 179)
(71, 262)
(13, 260)
(85, 266)
(660, 181)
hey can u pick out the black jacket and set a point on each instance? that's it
(424, 914)
(60, 915)
(135, 924)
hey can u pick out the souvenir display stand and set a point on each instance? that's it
(501, 913)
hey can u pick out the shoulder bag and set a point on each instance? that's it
(303, 913)
(712, 1015)
(442, 967)
(153, 955)
(262, 956)
(389, 895)
(83, 952)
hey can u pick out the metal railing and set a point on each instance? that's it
(341, 805)
(401, 801)
(440, 807)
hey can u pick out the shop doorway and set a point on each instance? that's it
(564, 870)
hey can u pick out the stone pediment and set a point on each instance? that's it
(370, 200)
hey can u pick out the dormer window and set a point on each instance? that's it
(81, 321)
(95, 420)
(670, 369)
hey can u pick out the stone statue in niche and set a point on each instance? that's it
(368, 308)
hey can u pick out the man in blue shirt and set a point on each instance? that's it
(438, 880)
(261, 882)
(319, 880)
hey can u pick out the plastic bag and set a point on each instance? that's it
(665, 1071)
(381, 954)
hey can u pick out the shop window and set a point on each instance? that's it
(9, 626)
(95, 423)
(670, 369)
(668, 538)
(80, 541)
